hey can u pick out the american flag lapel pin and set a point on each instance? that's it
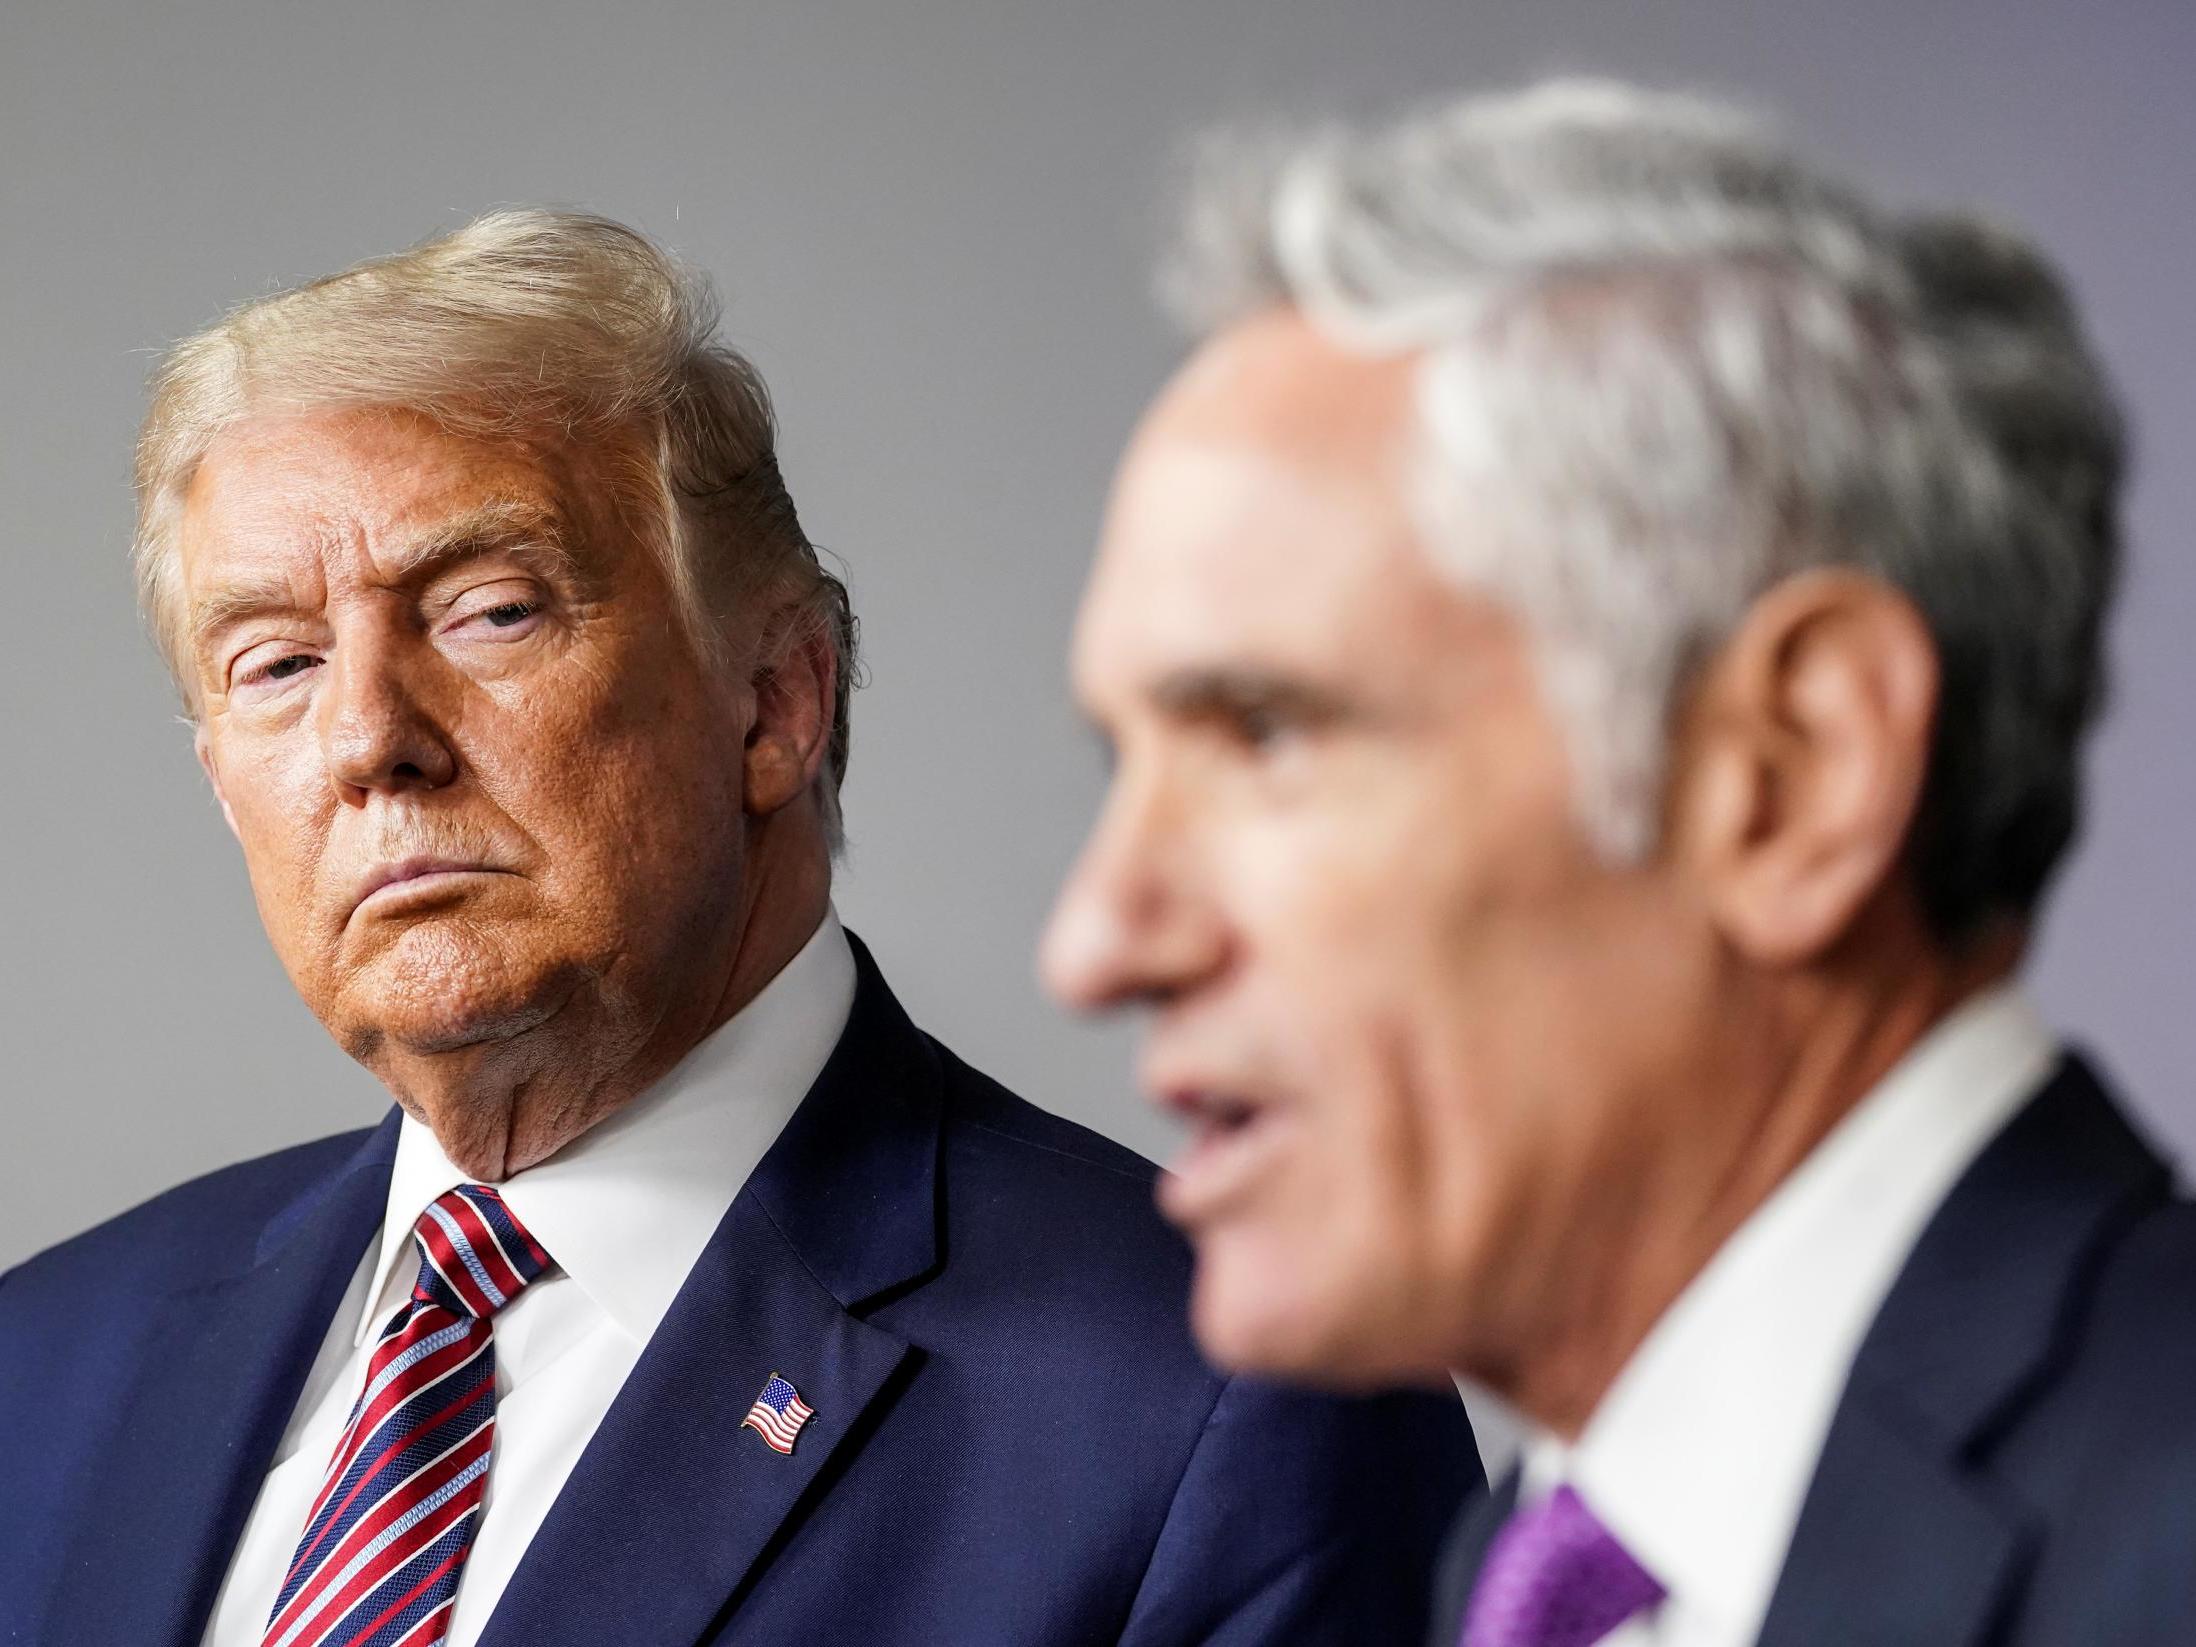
(778, 1414)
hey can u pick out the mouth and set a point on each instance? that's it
(1234, 1139)
(414, 880)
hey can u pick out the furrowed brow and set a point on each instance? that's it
(527, 529)
(231, 604)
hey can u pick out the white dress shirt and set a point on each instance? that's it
(625, 1210)
(1700, 1455)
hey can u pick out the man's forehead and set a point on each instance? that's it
(1276, 381)
(1261, 506)
(373, 460)
(298, 485)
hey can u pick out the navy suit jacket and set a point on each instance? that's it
(1014, 1440)
(2013, 1460)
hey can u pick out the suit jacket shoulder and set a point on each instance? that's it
(204, 1226)
(2107, 1454)
(2014, 1457)
(72, 1316)
(86, 1324)
(984, 1105)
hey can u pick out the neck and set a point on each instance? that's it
(1815, 1047)
(785, 899)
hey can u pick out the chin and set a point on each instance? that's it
(1266, 1316)
(453, 993)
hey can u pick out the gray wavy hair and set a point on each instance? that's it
(1666, 364)
(521, 322)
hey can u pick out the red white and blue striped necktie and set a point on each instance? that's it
(386, 1539)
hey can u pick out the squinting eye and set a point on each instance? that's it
(251, 677)
(509, 614)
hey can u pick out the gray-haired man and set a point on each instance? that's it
(1597, 644)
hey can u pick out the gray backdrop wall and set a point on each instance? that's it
(932, 220)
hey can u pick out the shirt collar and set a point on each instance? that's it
(1699, 1456)
(627, 1207)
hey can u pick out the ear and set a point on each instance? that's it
(1801, 761)
(204, 746)
(796, 688)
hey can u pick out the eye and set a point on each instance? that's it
(1248, 713)
(1259, 726)
(507, 608)
(261, 669)
(1256, 727)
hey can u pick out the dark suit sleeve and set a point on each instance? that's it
(1307, 1520)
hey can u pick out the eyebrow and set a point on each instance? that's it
(1231, 690)
(509, 526)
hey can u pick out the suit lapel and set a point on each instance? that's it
(674, 1507)
(1893, 1545)
(674, 1501)
(191, 1444)
(1901, 1538)
(1465, 1553)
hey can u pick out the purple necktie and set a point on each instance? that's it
(1555, 1577)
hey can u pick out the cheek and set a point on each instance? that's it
(1333, 1267)
(1424, 988)
(1392, 1109)
(277, 791)
(631, 792)
(1330, 1273)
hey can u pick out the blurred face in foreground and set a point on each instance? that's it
(1397, 999)
(506, 829)
(1461, 1093)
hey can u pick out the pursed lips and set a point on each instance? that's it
(406, 871)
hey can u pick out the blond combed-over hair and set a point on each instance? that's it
(524, 322)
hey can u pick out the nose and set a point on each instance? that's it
(377, 733)
(1135, 921)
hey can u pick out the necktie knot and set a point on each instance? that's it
(474, 1254)
(1555, 1577)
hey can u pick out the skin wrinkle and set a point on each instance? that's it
(526, 532)
(661, 851)
(1486, 1099)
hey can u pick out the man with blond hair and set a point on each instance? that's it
(689, 1293)
(1598, 642)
